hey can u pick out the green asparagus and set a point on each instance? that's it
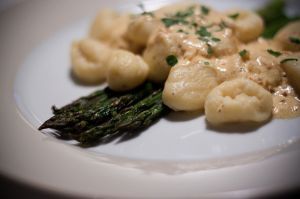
(74, 122)
(99, 95)
(137, 117)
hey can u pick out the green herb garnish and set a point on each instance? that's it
(222, 26)
(215, 39)
(148, 13)
(205, 10)
(194, 24)
(234, 16)
(203, 39)
(173, 21)
(294, 40)
(178, 18)
(203, 32)
(209, 50)
(186, 13)
(274, 53)
(288, 59)
(171, 60)
(169, 22)
(206, 63)
(244, 54)
(182, 31)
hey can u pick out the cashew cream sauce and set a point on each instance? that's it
(260, 66)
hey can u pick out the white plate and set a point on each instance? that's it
(179, 156)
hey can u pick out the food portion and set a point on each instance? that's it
(188, 85)
(105, 114)
(224, 63)
(247, 25)
(288, 37)
(125, 70)
(238, 100)
(292, 69)
(89, 60)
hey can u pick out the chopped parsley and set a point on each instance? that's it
(294, 40)
(244, 54)
(209, 50)
(274, 53)
(172, 21)
(186, 13)
(194, 24)
(182, 31)
(215, 39)
(288, 59)
(203, 39)
(234, 16)
(205, 10)
(171, 60)
(148, 13)
(206, 63)
(178, 18)
(203, 32)
(222, 26)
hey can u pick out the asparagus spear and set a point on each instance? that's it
(76, 122)
(139, 116)
(99, 95)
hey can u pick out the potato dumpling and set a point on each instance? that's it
(89, 58)
(159, 48)
(292, 68)
(140, 29)
(227, 44)
(288, 37)
(188, 85)
(238, 100)
(125, 70)
(109, 26)
(247, 24)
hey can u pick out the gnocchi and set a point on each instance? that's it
(292, 67)
(219, 63)
(109, 27)
(125, 70)
(247, 24)
(140, 29)
(89, 58)
(288, 35)
(238, 100)
(188, 85)
(155, 55)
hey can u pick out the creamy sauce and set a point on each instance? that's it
(211, 38)
(286, 104)
(259, 66)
